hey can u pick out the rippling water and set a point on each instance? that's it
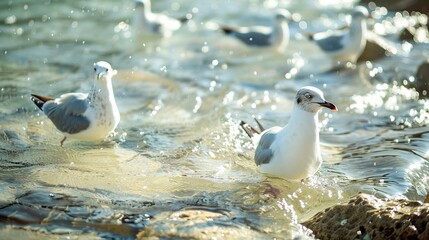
(179, 145)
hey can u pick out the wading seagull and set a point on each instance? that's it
(84, 116)
(259, 36)
(292, 152)
(147, 23)
(348, 44)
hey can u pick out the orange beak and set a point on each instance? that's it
(329, 105)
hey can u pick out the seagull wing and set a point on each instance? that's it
(332, 43)
(156, 27)
(263, 153)
(67, 112)
(257, 36)
(163, 24)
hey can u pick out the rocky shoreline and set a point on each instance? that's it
(368, 217)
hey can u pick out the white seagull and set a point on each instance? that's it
(84, 116)
(260, 36)
(348, 44)
(292, 152)
(149, 24)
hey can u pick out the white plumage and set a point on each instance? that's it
(292, 152)
(83, 116)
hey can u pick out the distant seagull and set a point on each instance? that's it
(292, 152)
(348, 44)
(146, 23)
(84, 116)
(276, 36)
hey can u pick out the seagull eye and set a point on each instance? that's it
(107, 70)
(308, 96)
(95, 69)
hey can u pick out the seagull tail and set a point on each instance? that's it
(40, 100)
(261, 128)
(186, 18)
(227, 30)
(310, 36)
(250, 131)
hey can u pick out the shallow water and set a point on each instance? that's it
(179, 145)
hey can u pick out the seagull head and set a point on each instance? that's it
(283, 15)
(360, 12)
(310, 99)
(141, 4)
(103, 70)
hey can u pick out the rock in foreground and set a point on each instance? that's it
(367, 217)
(197, 223)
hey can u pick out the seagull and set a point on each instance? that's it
(84, 116)
(292, 152)
(152, 24)
(259, 36)
(348, 44)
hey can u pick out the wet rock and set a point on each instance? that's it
(400, 5)
(372, 52)
(35, 233)
(197, 223)
(20, 214)
(367, 217)
(406, 35)
(415, 33)
(422, 79)
(9, 136)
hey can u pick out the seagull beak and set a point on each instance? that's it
(99, 75)
(329, 105)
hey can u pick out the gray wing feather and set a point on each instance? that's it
(263, 153)
(67, 114)
(253, 38)
(157, 27)
(331, 44)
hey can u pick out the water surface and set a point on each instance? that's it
(179, 146)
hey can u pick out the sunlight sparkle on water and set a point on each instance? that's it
(421, 116)
(199, 101)
(229, 98)
(416, 166)
(383, 97)
(288, 210)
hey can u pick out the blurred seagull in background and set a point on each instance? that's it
(260, 36)
(84, 116)
(348, 44)
(147, 23)
(292, 152)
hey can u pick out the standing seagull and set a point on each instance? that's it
(292, 152)
(348, 44)
(147, 23)
(258, 36)
(84, 116)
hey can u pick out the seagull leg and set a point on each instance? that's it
(270, 190)
(62, 141)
